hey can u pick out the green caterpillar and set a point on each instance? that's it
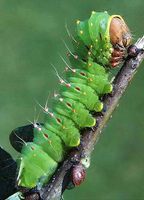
(100, 44)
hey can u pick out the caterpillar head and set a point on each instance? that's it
(120, 38)
(119, 33)
(105, 38)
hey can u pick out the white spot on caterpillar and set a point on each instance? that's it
(76, 56)
(74, 70)
(61, 99)
(91, 24)
(78, 21)
(55, 94)
(51, 114)
(39, 128)
(46, 109)
(61, 81)
(93, 12)
(81, 32)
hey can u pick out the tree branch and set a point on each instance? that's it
(60, 180)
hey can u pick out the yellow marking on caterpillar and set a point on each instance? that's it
(90, 79)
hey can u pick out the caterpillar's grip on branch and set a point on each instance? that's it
(100, 44)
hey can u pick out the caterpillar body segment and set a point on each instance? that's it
(98, 82)
(101, 42)
(64, 128)
(83, 94)
(76, 111)
(35, 166)
(89, 66)
(50, 143)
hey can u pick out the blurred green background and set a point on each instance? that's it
(31, 34)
